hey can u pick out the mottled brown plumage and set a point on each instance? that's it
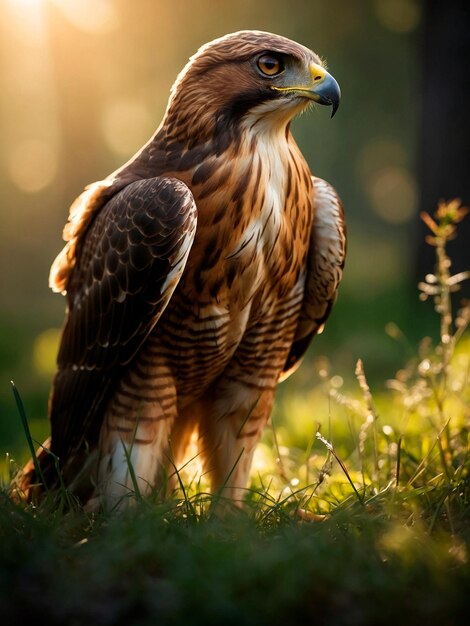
(196, 276)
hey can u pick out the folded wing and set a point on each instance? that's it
(127, 266)
(325, 265)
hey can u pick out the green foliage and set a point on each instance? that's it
(358, 512)
(153, 565)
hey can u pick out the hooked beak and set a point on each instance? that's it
(323, 89)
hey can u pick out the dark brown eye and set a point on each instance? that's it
(270, 65)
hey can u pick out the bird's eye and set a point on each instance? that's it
(270, 65)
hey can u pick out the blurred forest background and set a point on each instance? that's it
(84, 83)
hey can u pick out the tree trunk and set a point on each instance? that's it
(444, 158)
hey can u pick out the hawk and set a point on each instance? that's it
(196, 276)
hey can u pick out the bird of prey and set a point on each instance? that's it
(196, 276)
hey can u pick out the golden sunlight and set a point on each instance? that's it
(90, 16)
(96, 17)
(31, 132)
(26, 3)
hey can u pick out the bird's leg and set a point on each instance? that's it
(135, 435)
(229, 431)
(182, 448)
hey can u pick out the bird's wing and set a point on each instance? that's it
(127, 266)
(324, 270)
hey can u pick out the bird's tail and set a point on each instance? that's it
(32, 481)
(72, 483)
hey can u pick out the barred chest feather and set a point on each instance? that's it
(246, 270)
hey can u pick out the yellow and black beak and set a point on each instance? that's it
(323, 88)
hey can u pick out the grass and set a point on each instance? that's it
(361, 517)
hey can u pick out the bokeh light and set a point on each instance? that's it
(30, 118)
(393, 194)
(399, 16)
(126, 124)
(380, 152)
(45, 352)
(32, 165)
(384, 171)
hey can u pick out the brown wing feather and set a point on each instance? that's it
(127, 267)
(324, 270)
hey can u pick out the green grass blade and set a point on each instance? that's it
(27, 432)
(132, 473)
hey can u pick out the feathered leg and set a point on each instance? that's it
(135, 436)
(230, 429)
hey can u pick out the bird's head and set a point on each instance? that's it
(249, 74)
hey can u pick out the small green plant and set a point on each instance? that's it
(407, 455)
